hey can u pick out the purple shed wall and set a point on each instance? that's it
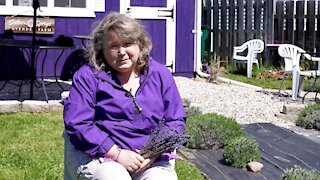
(71, 59)
(185, 41)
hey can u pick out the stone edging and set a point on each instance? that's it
(10, 106)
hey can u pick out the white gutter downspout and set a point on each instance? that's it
(197, 39)
(197, 50)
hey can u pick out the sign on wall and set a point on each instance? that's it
(24, 25)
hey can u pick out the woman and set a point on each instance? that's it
(115, 102)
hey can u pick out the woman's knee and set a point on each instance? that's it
(103, 170)
(158, 171)
(79, 165)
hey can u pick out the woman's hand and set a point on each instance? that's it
(131, 160)
(147, 162)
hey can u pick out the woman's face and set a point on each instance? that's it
(121, 56)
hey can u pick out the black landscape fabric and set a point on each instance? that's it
(280, 148)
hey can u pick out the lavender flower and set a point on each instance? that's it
(163, 139)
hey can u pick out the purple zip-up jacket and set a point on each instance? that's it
(99, 112)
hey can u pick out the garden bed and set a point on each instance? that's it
(280, 148)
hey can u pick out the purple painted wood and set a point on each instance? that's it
(148, 3)
(71, 59)
(157, 31)
(185, 41)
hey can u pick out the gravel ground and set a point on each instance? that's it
(244, 104)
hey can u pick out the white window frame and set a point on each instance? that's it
(50, 10)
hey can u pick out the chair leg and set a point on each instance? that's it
(283, 77)
(249, 69)
(301, 78)
(232, 65)
(295, 85)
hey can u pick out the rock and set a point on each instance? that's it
(186, 102)
(34, 106)
(293, 108)
(10, 106)
(254, 166)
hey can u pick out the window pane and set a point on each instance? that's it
(61, 3)
(78, 3)
(22, 2)
(28, 2)
(43, 3)
(2, 2)
(70, 3)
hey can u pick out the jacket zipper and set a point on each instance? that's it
(134, 98)
(137, 106)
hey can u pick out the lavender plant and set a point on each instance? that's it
(163, 139)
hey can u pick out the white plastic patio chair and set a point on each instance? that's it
(254, 47)
(292, 55)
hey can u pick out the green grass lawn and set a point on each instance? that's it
(264, 83)
(32, 148)
(267, 81)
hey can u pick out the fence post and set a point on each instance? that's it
(223, 31)
(311, 27)
(279, 22)
(257, 18)
(240, 14)
(249, 12)
(231, 31)
(290, 22)
(215, 26)
(209, 23)
(269, 30)
(300, 24)
(269, 21)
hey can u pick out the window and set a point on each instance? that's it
(62, 8)
(28, 2)
(22, 3)
(70, 3)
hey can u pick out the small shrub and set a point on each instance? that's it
(311, 85)
(298, 173)
(201, 130)
(226, 128)
(241, 150)
(209, 131)
(309, 117)
(192, 111)
(314, 116)
(215, 71)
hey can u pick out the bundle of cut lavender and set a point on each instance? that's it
(163, 139)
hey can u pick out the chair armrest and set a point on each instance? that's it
(309, 57)
(315, 58)
(240, 48)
